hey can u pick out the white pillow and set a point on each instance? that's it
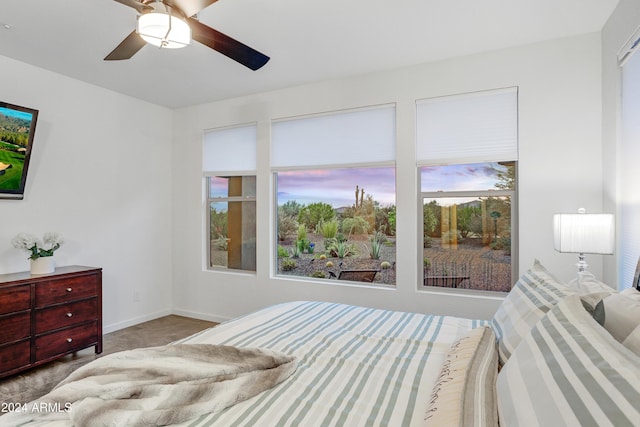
(592, 292)
(632, 342)
(622, 313)
(586, 283)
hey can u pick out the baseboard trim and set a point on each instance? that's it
(136, 320)
(200, 316)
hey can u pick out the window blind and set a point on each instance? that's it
(629, 174)
(475, 127)
(230, 149)
(342, 138)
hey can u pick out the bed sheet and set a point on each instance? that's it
(357, 366)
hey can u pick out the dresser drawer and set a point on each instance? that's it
(15, 355)
(66, 341)
(61, 316)
(15, 298)
(46, 316)
(14, 327)
(73, 288)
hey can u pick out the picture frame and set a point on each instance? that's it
(17, 130)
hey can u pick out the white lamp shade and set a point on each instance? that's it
(584, 233)
(164, 30)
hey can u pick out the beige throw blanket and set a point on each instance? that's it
(158, 386)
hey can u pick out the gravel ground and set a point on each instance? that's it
(485, 268)
(307, 264)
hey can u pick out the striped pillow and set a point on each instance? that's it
(531, 298)
(569, 371)
(465, 393)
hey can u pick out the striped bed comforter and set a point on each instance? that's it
(356, 366)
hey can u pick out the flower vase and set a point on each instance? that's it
(43, 265)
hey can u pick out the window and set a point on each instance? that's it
(629, 175)
(467, 158)
(231, 197)
(335, 198)
(467, 225)
(232, 222)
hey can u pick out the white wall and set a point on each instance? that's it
(123, 183)
(620, 26)
(100, 174)
(560, 171)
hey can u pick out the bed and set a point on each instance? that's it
(554, 354)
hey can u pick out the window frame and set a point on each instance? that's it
(239, 143)
(325, 281)
(472, 193)
(350, 159)
(499, 144)
(207, 208)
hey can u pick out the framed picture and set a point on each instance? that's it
(17, 127)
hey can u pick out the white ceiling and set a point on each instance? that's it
(307, 40)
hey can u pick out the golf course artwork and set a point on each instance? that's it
(17, 127)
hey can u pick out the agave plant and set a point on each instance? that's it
(342, 249)
(376, 241)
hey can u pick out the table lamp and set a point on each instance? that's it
(583, 233)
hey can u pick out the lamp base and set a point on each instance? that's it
(582, 264)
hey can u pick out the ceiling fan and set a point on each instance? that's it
(172, 24)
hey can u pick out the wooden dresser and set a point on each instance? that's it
(44, 317)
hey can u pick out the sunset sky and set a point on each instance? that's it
(337, 186)
(468, 177)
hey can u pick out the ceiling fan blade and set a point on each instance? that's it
(224, 44)
(140, 7)
(190, 7)
(127, 48)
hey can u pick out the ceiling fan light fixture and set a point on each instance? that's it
(172, 24)
(161, 28)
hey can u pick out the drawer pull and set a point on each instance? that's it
(69, 339)
(69, 314)
(69, 289)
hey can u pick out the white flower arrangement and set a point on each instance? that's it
(30, 243)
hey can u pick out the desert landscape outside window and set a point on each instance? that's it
(337, 223)
(468, 224)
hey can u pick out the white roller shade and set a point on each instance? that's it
(629, 173)
(230, 149)
(476, 127)
(358, 136)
